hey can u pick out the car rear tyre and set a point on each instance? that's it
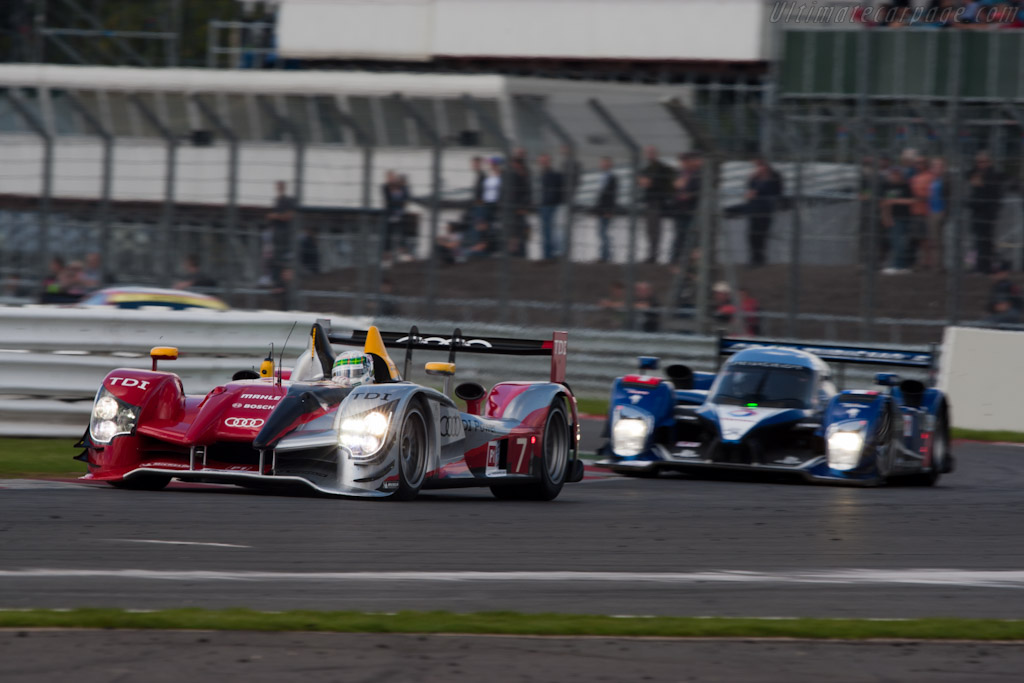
(885, 457)
(553, 466)
(940, 457)
(155, 483)
(412, 454)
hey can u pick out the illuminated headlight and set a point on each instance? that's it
(111, 417)
(364, 434)
(629, 436)
(846, 444)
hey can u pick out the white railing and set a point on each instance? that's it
(53, 359)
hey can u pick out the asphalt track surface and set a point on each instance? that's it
(609, 545)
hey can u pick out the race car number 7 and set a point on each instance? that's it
(522, 444)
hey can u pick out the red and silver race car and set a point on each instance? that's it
(388, 437)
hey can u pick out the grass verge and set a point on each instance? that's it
(39, 457)
(592, 406)
(511, 623)
(987, 435)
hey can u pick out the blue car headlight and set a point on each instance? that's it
(630, 428)
(846, 444)
(111, 417)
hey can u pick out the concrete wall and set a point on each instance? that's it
(981, 371)
(719, 30)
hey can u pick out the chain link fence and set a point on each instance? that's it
(685, 208)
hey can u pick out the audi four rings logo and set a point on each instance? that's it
(441, 341)
(244, 422)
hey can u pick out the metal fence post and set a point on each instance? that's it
(103, 212)
(292, 284)
(366, 143)
(634, 163)
(796, 151)
(569, 173)
(168, 244)
(956, 203)
(231, 209)
(506, 201)
(868, 231)
(16, 100)
(707, 212)
(437, 149)
(863, 73)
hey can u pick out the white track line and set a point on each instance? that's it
(847, 577)
(149, 540)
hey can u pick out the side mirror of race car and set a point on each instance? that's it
(887, 379)
(446, 370)
(647, 363)
(163, 353)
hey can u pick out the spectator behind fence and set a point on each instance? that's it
(552, 194)
(480, 242)
(395, 193)
(764, 193)
(572, 170)
(492, 191)
(94, 274)
(476, 165)
(73, 282)
(920, 188)
(522, 202)
(449, 244)
(985, 192)
(386, 306)
(646, 304)
(192, 275)
(908, 163)
(1005, 303)
(613, 306)
(896, 202)
(605, 207)
(938, 206)
(656, 183)
(276, 235)
(873, 177)
(62, 286)
(686, 193)
(725, 310)
(309, 252)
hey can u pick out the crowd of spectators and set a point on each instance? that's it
(667, 195)
(914, 201)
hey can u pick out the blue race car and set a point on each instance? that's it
(774, 407)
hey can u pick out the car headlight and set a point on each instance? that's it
(111, 417)
(364, 434)
(629, 434)
(846, 444)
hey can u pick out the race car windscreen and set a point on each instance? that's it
(765, 385)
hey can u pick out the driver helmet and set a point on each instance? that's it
(352, 368)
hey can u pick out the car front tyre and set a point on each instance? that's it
(412, 454)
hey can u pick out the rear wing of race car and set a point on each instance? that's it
(839, 353)
(556, 347)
